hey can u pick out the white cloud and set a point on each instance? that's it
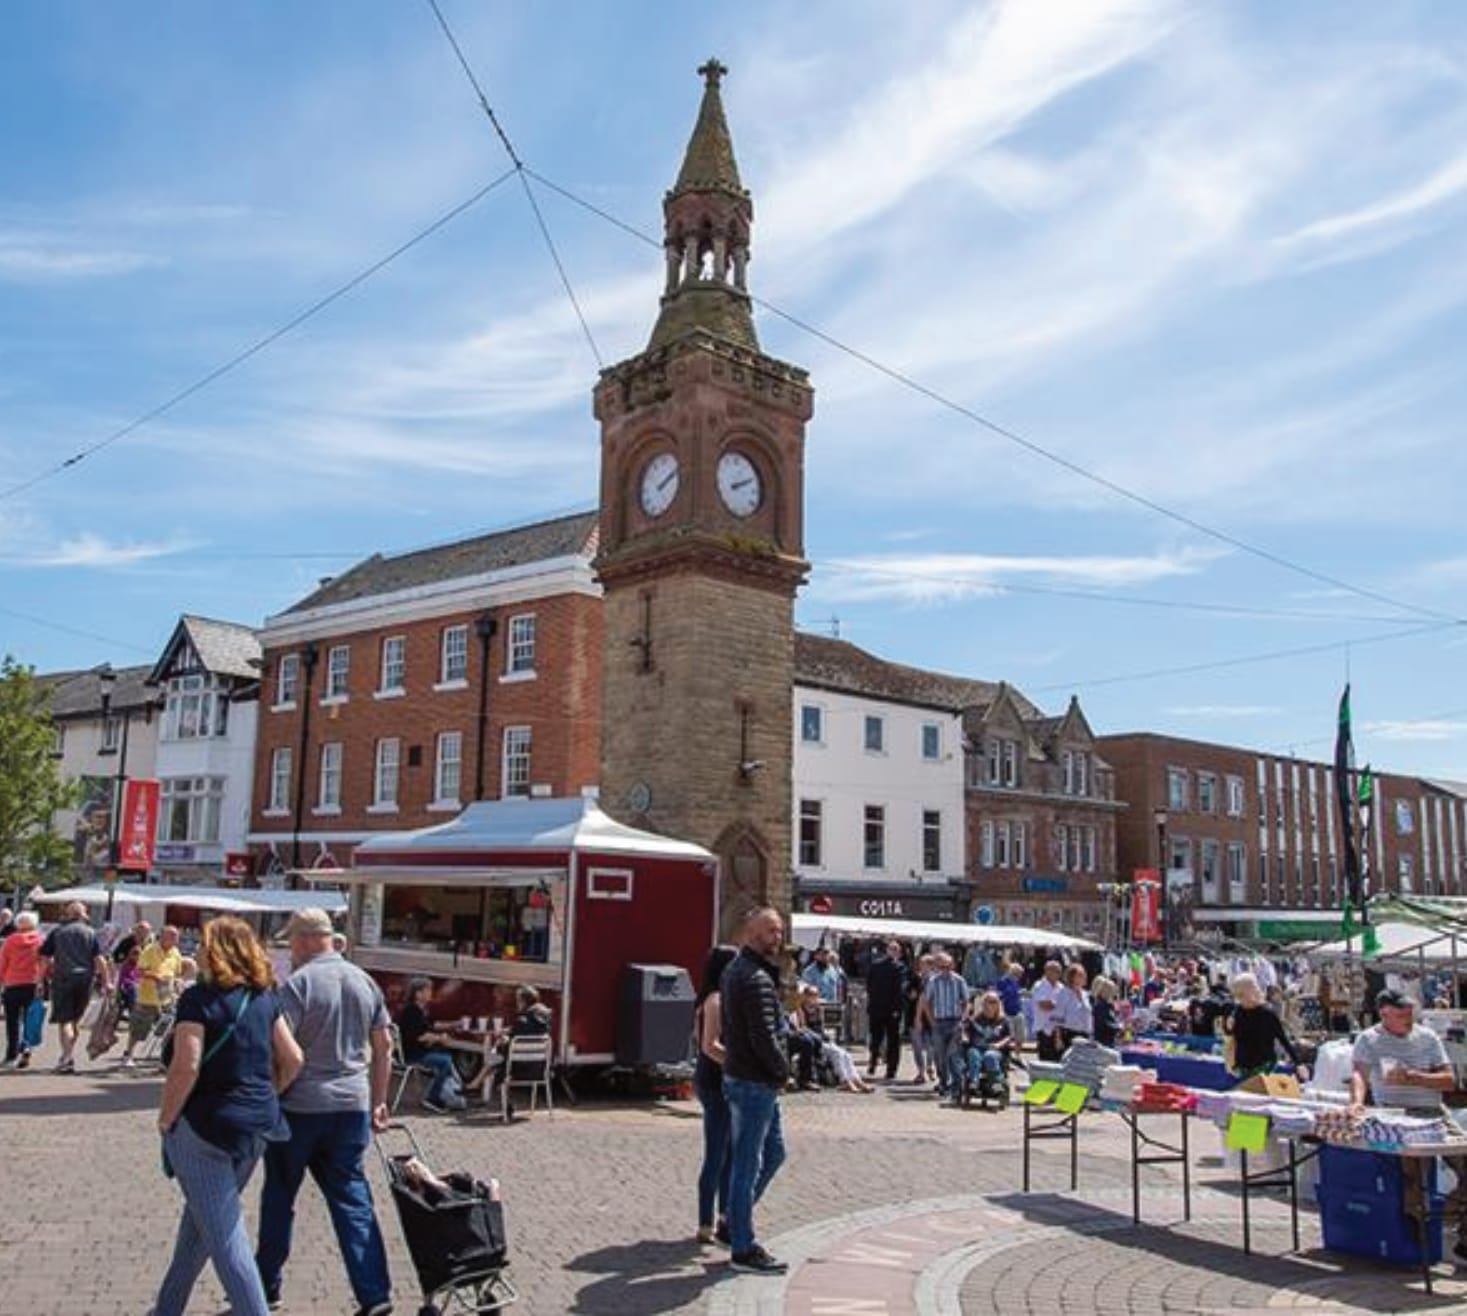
(948, 577)
(1424, 729)
(1442, 185)
(26, 258)
(89, 550)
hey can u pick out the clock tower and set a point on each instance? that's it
(702, 545)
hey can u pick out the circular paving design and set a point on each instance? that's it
(1049, 1253)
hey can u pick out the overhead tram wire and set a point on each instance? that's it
(519, 168)
(72, 630)
(1029, 445)
(1245, 660)
(260, 344)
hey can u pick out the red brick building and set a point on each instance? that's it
(1252, 841)
(414, 684)
(1042, 815)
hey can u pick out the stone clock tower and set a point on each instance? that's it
(702, 545)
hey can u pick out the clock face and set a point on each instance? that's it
(738, 484)
(659, 483)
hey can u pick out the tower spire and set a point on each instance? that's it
(707, 217)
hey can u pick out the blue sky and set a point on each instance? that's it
(1213, 253)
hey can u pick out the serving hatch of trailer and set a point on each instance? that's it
(548, 893)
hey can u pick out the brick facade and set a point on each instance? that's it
(1248, 830)
(558, 702)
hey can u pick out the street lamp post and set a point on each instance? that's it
(107, 680)
(1162, 868)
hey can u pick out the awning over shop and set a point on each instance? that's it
(217, 900)
(808, 929)
(1409, 943)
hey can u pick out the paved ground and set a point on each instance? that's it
(890, 1204)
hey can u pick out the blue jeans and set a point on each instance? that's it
(331, 1145)
(713, 1177)
(756, 1153)
(445, 1089)
(213, 1227)
(977, 1063)
(941, 1045)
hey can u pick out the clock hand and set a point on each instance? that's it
(667, 481)
(742, 484)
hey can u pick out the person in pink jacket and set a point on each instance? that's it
(20, 970)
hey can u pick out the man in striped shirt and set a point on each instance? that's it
(944, 1000)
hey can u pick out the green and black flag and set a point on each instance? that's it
(1345, 794)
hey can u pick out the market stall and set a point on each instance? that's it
(545, 893)
(810, 930)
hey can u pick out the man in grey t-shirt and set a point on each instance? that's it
(72, 959)
(1399, 1064)
(340, 1021)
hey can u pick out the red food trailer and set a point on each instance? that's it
(548, 893)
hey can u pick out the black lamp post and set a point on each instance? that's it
(107, 683)
(1163, 869)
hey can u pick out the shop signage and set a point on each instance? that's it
(1046, 885)
(903, 906)
(237, 863)
(137, 835)
(822, 905)
(171, 853)
(983, 915)
(1146, 906)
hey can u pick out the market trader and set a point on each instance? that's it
(1397, 1063)
(886, 1000)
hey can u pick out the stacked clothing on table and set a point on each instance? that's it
(1119, 1082)
(1164, 1097)
(1085, 1061)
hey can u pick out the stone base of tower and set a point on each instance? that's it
(699, 673)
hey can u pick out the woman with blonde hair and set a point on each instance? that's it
(232, 1055)
(1255, 1033)
(1105, 1027)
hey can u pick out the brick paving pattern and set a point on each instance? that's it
(600, 1206)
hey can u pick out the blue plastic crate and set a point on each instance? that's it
(1377, 1228)
(1346, 1171)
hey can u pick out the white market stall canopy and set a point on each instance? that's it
(809, 928)
(1401, 941)
(217, 900)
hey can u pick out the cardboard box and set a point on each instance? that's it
(1271, 1085)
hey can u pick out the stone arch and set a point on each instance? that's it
(744, 867)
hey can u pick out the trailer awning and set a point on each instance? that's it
(491, 877)
(809, 928)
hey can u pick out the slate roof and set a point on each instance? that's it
(564, 536)
(79, 694)
(840, 665)
(224, 648)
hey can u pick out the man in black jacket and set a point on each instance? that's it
(886, 999)
(755, 1071)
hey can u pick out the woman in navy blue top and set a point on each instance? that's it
(232, 1055)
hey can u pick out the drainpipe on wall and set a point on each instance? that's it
(484, 628)
(309, 654)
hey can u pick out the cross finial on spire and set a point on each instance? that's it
(713, 72)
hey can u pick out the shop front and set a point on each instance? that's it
(911, 900)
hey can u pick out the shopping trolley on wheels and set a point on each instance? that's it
(454, 1227)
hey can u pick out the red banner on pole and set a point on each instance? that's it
(1145, 906)
(137, 836)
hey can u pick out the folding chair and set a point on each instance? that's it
(526, 1065)
(402, 1068)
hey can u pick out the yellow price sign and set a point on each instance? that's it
(1072, 1098)
(1041, 1093)
(1247, 1133)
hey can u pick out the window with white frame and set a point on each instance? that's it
(1067, 762)
(111, 734)
(328, 792)
(1237, 872)
(1021, 845)
(1002, 835)
(195, 708)
(1235, 797)
(1179, 854)
(1209, 870)
(1406, 873)
(384, 781)
(394, 663)
(812, 824)
(873, 838)
(1176, 789)
(287, 679)
(453, 662)
(1207, 792)
(338, 665)
(516, 761)
(1010, 762)
(1087, 849)
(280, 766)
(519, 656)
(189, 810)
(448, 767)
(812, 724)
(931, 742)
(1061, 848)
(1082, 774)
(985, 844)
(993, 752)
(931, 841)
(58, 740)
(875, 734)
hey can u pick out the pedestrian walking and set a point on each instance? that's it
(340, 1021)
(886, 998)
(72, 959)
(231, 1054)
(755, 1071)
(917, 1027)
(160, 964)
(20, 972)
(944, 1002)
(708, 1085)
(1011, 996)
